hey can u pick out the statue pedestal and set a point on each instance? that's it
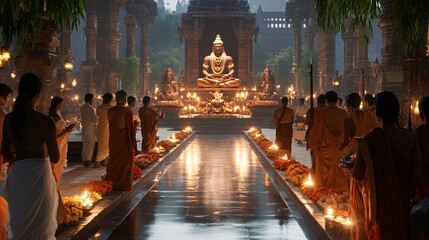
(206, 93)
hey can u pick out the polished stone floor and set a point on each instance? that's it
(216, 189)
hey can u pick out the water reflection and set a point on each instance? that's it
(216, 189)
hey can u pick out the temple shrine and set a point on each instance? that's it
(233, 21)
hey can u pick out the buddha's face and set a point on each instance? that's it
(218, 49)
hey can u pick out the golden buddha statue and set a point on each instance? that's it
(214, 67)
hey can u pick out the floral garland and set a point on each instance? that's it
(73, 205)
(145, 159)
(297, 173)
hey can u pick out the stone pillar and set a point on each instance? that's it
(64, 53)
(310, 34)
(361, 62)
(296, 24)
(108, 44)
(144, 57)
(392, 77)
(130, 21)
(146, 13)
(39, 56)
(192, 37)
(244, 37)
(89, 66)
(349, 46)
(326, 60)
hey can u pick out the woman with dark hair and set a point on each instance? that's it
(389, 160)
(29, 141)
(63, 132)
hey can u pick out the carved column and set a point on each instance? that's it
(361, 62)
(349, 46)
(144, 57)
(39, 57)
(392, 77)
(145, 15)
(192, 34)
(244, 37)
(326, 60)
(310, 34)
(64, 53)
(296, 24)
(88, 67)
(108, 44)
(130, 21)
(311, 27)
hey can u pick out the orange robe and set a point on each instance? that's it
(326, 147)
(148, 118)
(122, 146)
(364, 122)
(392, 181)
(283, 120)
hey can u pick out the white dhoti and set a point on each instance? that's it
(32, 197)
(88, 142)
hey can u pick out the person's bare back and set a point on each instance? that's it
(39, 138)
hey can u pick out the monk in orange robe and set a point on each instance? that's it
(326, 137)
(356, 125)
(148, 117)
(122, 144)
(283, 120)
(321, 104)
(389, 159)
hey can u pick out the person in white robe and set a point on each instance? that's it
(89, 122)
(103, 130)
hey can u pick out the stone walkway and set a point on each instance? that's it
(225, 200)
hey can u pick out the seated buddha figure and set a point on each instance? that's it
(218, 69)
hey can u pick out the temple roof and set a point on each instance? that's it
(218, 5)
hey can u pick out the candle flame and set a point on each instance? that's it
(329, 212)
(274, 147)
(309, 181)
(347, 222)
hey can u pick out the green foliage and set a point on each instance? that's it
(334, 15)
(410, 19)
(18, 17)
(281, 65)
(260, 57)
(410, 26)
(170, 58)
(165, 47)
(127, 70)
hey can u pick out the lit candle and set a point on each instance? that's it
(274, 147)
(309, 181)
(329, 218)
(329, 213)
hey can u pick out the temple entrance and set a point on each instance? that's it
(232, 21)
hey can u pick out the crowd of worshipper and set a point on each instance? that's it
(388, 181)
(34, 148)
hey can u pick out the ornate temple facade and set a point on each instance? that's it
(103, 38)
(232, 20)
